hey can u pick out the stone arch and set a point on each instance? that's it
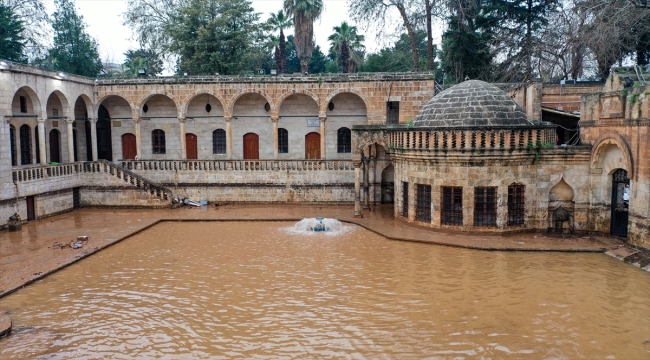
(229, 106)
(188, 99)
(275, 108)
(612, 138)
(65, 104)
(33, 97)
(330, 96)
(90, 107)
(562, 190)
(138, 108)
(361, 142)
(107, 95)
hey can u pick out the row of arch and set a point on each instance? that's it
(27, 103)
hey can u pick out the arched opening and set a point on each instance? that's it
(561, 208)
(129, 149)
(298, 113)
(344, 110)
(57, 105)
(620, 202)
(251, 146)
(248, 113)
(74, 145)
(38, 145)
(104, 145)
(55, 146)
(89, 142)
(312, 146)
(81, 112)
(12, 144)
(25, 145)
(191, 147)
(25, 103)
(162, 113)
(388, 185)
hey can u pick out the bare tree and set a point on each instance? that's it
(147, 20)
(37, 26)
(376, 12)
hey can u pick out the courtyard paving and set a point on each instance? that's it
(43, 246)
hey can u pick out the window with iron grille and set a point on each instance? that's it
(452, 205)
(25, 145)
(344, 143)
(516, 200)
(423, 211)
(485, 206)
(23, 104)
(158, 141)
(392, 112)
(405, 199)
(219, 141)
(283, 141)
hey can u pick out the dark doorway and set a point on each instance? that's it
(620, 202)
(89, 141)
(191, 147)
(25, 145)
(104, 147)
(312, 146)
(74, 144)
(387, 185)
(31, 211)
(38, 145)
(12, 143)
(251, 146)
(129, 147)
(405, 199)
(55, 146)
(76, 198)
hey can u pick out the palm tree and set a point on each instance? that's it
(347, 34)
(280, 21)
(304, 13)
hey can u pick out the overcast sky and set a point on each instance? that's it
(104, 20)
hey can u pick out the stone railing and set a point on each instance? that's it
(100, 166)
(236, 165)
(470, 139)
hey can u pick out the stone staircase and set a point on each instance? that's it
(164, 194)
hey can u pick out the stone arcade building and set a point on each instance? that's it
(470, 159)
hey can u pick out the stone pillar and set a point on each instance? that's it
(41, 141)
(183, 144)
(93, 137)
(366, 185)
(68, 123)
(322, 136)
(275, 136)
(228, 136)
(138, 139)
(356, 160)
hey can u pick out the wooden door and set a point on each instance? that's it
(251, 146)
(55, 155)
(31, 211)
(191, 147)
(129, 147)
(312, 146)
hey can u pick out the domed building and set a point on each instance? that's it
(472, 160)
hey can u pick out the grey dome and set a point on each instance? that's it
(471, 103)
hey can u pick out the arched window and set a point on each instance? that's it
(283, 141)
(25, 145)
(12, 140)
(158, 141)
(344, 144)
(219, 141)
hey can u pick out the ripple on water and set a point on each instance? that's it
(258, 290)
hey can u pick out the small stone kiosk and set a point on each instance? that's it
(471, 160)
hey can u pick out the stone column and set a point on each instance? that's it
(275, 135)
(322, 136)
(41, 141)
(138, 139)
(356, 160)
(366, 184)
(228, 136)
(93, 137)
(68, 123)
(183, 144)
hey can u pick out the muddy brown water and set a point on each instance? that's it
(227, 290)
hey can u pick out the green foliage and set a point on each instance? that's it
(12, 42)
(148, 60)
(217, 36)
(396, 58)
(318, 63)
(348, 34)
(633, 98)
(304, 13)
(73, 51)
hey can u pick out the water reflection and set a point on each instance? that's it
(245, 290)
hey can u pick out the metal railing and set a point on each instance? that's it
(236, 165)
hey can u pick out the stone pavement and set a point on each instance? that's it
(43, 246)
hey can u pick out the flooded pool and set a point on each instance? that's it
(256, 290)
